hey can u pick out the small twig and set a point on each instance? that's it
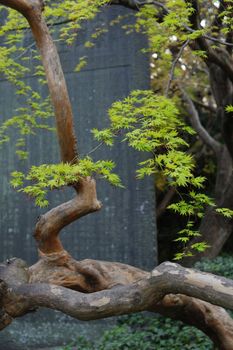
(162, 206)
(26, 49)
(174, 63)
(95, 148)
(136, 4)
(206, 36)
(207, 107)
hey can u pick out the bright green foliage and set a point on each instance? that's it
(227, 18)
(164, 35)
(14, 65)
(11, 69)
(82, 63)
(26, 121)
(45, 177)
(11, 53)
(228, 213)
(168, 33)
(74, 13)
(229, 109)
(15, 60)
(151, 123)
(195, 205)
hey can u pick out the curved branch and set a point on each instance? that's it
(22, 6)
(198, 127)
(52, 222)
(214, 321)
(174, 63)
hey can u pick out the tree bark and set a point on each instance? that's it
(214, 228)
(50, 224)
(116, 289)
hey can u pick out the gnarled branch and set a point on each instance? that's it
(122, 289)
(198, 127)
(51, 223)
(142, 295)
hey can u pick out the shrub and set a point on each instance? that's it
(222, 265)
(146, 333)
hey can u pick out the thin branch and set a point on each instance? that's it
(25, 50)
(57, 86)
(136, 4)
(164, 202)
(209, 37)
(198, 127)
(207, 107)
(174, 63)
(95, 148)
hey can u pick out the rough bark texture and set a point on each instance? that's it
(117, 289)
(212, 320)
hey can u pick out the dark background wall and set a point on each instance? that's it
(124, 230)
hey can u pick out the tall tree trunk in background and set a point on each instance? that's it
(214, 228)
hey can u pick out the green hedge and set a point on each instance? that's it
(222, 265)
(146, 332)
